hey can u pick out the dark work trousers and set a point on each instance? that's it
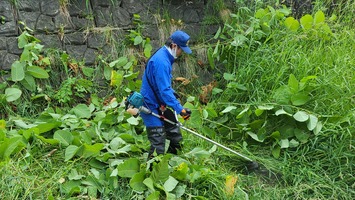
(158, 135)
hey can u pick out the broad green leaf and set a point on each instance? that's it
(45, 127)
(147, 50)
(228, 77)
(292, 24)
(301, 135)
(294, 143)
(88, 71)
(64, 137)
(74, 175)
(276, 135)
(284, 143)
(10, 145)
(217, 33)
(117, 143)
(282, 94)
(312, 122)
(160, 171)
(258, 112)
(128, 168)
(319, 17)
(120, 62)
(82, 111)
(282, 112)
(107, 72)
(133, 120)
(181, 171)
(138, 39)
(299, 99)
(47, 140)
(170, 184)
(198, 152)
(29, 83)
(136, 182)
(301, 116)
(293, 83)
(12, 94)
(116, 78)
(228, 109)
(240, 115)
(276, 151)
(22, 40)
(114, 172)
(254, 136)
(18, 71)
(307, 22)
(210, 57)
(149, 183)
(37, 72)
(318, 128)
(2, 124)
(70, 152)
(266, 107)
(154, 196)
(92, 150)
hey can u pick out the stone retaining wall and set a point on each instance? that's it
(80, 27)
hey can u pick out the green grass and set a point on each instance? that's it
(320, 168)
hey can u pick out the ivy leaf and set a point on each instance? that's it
(37, 72)
(129, 168)
(301, 116)
(18, 71)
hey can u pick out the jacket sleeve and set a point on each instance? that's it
(163, 81)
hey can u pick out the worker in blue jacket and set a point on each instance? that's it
(159, 95)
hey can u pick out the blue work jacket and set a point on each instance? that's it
(159, 72)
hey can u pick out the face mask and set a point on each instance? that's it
(173, 53)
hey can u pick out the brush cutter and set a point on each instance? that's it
(134, 103)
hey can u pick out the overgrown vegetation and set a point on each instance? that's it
(283, 94)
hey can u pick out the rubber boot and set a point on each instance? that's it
(174, 135)
(156, 137)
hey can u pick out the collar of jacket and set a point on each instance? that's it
(170, 55)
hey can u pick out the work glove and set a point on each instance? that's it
(185, 113)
